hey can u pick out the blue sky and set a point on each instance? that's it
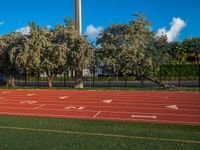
(16, 14)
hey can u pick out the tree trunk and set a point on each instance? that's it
(50, 77)
(125, 80)
(11, 81)
(157, 82)
(79, 80)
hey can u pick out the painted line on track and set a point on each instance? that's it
(96, 109)
(85, 110)
(96, 114)
(149, 121)
(6, 92)
(83, 103)
(39, 106)
(57, 103)
(142, 116)
(122, 100)
(32, 94)
(103, 118)
(47, 115)
(116, 102)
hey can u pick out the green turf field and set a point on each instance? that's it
(33, 133)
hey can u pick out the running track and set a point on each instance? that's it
(155, 107)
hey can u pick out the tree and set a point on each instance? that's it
(157, 49)
(2, 46)
(173, 51)
(81, 53)
(191, 48)
(50, 53)
(13, 43)
(123, 47)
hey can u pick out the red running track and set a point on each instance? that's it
(155, 107)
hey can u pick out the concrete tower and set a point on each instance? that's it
(78, 16)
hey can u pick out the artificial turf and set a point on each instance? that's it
(35, 133)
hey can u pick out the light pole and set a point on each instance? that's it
(78, 27)
(78, 16)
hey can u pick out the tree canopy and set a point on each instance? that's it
(123, 47)
(50, 51)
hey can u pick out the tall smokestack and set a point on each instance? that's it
(78, 16)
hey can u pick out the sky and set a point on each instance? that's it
(178, 19)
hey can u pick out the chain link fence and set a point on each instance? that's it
(172, 75)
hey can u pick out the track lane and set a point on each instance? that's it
(123, 105)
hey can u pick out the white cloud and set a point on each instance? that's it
(177, 25)
(2, 22)
(49, 26)
(93, 32)
(24, 30)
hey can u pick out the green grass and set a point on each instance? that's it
(108, 88)
(34, 133)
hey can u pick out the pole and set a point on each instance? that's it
(78, 16)
(78, 27)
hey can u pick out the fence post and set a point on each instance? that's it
(64, 79)
(160, 73)
(38, 77)
(25, 78)
(93, 79)
(125, 81)
(179, 74)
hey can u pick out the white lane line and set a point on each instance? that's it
(46, 115)
(96, 114)
(30, 94)
(107, 101)
(39, 106)
(103, 118)
(172, 107)
(140, 116)
(63, 97)
(28, 102)
(158, 114)
(117, 107)
(152, 121)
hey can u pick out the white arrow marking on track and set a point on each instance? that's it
(70, 107)
(107, 101)
(173, 107)
(31, 94)
(140, 116)
(81, 108)
(63, 97)
(74, 107)
(4, 92)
